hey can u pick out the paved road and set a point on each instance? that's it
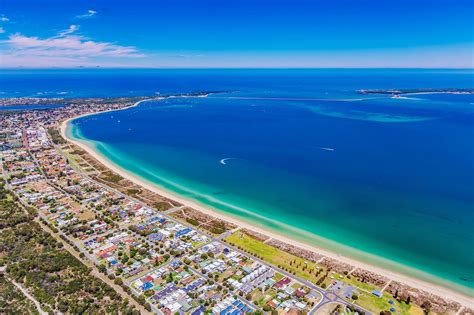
(91, 259)
(327, 296)
(232, 291)
(169, 211)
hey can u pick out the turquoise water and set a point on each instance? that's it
(386, 181)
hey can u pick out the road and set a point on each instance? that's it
(327, 297)
(89, 262)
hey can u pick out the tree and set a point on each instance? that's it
(102, 268)
(124, 259)
(149, 293)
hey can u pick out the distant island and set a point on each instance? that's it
(417, 91)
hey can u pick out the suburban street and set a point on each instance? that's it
(327, 297)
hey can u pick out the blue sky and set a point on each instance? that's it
(231, 33)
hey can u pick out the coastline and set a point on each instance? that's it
(435, 289)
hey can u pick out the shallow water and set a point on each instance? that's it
(386, 177)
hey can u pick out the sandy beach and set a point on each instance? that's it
(465, 300)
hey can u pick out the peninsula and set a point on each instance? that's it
(418, 91)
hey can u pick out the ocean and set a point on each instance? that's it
(388, 181)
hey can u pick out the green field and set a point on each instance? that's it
(291, 263)
(308, 270)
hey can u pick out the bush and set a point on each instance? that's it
(192, 221)
(102, 268)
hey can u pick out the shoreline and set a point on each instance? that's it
(464, 299)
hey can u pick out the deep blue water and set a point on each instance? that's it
(354, 173)
(103, 83)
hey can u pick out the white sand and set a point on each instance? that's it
(463, 299)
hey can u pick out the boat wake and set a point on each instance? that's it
(223, 161)
(328, 149)
(406, 98)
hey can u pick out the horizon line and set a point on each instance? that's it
(234, 68)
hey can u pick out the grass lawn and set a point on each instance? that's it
(296, 286)
(226, 274)
(197, 244)
(278, 276)
(86, 214)
(73, 158)
(376, 304)
(294, 264)
(258, 297)
(275, 256)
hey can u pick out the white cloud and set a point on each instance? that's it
(71, 29)
(88, 15)
(3, 18)
(66, 47)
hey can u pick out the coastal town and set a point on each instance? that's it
(153, 254)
